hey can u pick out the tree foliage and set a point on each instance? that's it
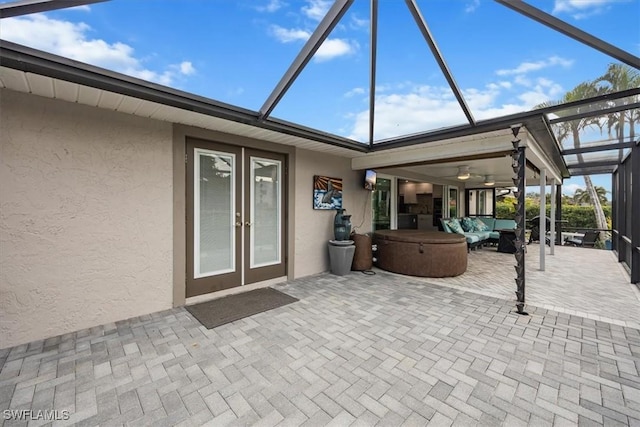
(618, 77)
(582, 197)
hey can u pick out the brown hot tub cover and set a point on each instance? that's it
(421, 253)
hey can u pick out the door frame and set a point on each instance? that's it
(178, 257)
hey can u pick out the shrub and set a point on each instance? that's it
(576, 216)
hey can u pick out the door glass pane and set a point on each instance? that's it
(265, 212)
(453, 202)
(480, 202)
(381, 204)
(214, 236)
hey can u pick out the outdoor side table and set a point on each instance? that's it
(507, 241)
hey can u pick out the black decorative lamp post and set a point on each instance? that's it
(519, 166)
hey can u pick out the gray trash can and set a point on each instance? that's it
(341, 256)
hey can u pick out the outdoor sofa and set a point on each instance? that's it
(478, 231)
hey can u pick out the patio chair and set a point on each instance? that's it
(535, 230)
(587, 241)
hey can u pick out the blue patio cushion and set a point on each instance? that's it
(504, 224)
(494, 235)
(482, 224)
(468, 224)
(454, 226)
(482, 235)
(472, 237)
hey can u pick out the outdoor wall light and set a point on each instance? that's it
(463, 172)
(488, 180)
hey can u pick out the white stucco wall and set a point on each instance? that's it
(85, 217)
(314, 228)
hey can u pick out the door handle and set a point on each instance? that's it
(247, 224)
(238, 224)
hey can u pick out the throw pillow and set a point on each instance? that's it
(481, 226)
(468, 225)
(454, 225)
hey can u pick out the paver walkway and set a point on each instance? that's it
(355, 350)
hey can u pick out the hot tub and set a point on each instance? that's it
(421, 253)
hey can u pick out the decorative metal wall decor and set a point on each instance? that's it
(519, 167)
(327, 192)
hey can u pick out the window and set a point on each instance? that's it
(480, 202)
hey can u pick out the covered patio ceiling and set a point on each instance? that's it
(603, 118)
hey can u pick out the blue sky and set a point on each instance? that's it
(235, 51)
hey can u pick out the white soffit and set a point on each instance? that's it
(72, 92)
(452, 149)
(539, 158)
(447, 149)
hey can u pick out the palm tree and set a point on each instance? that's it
(573, 128)
(621, 77)
(582, 196)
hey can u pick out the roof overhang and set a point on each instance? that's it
(431, 158)
(33, 71)
(31, 61)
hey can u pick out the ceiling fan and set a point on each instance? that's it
(464, 174)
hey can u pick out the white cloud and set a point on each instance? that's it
(582, 9)
(527, 67)
(354, 92)
(186, 68)
(332, 48)
(570, 189)
(538, 90)
(533, 98)
(571, 5)
(316, 9)
(82, 8)
(484, 103)
(422, 107)
(523, 81)
(472, 6)
(329, 49)
(359, 23)
(501, 84)
(271, 6)
(286, 35)
(404, 108)
(71, 40)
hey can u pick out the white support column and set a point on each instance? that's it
(553, 216)
(543, 216)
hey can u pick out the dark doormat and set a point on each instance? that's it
(235, 307)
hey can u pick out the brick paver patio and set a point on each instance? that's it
(586, 282)
(355, 350)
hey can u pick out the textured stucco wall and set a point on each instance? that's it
(314, 228)
(85, 217)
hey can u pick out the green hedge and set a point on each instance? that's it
(577, 216)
